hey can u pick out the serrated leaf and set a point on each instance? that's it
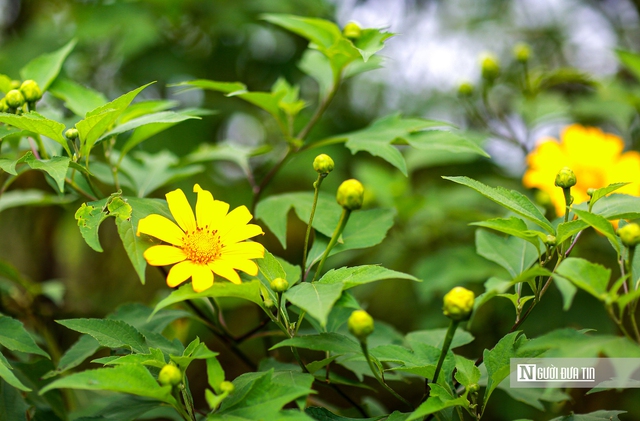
(45, 68)
(315, 298)
(512, 253)
(467, 373)
(155, 358)
(332, 342)
(439, 399)
(604, 191)
(6, 373)
(36, 123)
(271, 268)
(602, 225)
(15, 337)
(510, 199)
(442, 140)
(89, 217)
(56, 167)
(512, 226)
(322, 32)
(82, 349)
(350, 277)
(371, 41)
(566, 230)
(159, 117)
(76, 97)
(617, 206)
(590, 277)
(109, 333)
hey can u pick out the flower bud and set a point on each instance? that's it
(490, 67)
(566, 178)
(551, 240)
(522, 52)
(360, 324)
(465, 89)
(14, 98)
(474, 388)
(3, 105)
(31, 90)
(279, 285)
(630, 234)
(350, 194)
(227, 387)
(352, 30)
(170, 375)
(15, 84)
(458, 303)
(323, 164)
(590, 191)
(71, 134)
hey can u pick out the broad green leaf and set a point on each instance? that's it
(6, 373)
(155, 358)
(467, 373)
(332, 342)
(435, 338)
(533, 397)
(630, 60)
(570, 343)
(321, 32)
(36, 123)
(323, 414)
(127, 378)
(602, 225)
(510, 199)
(226, 152)
(602, 415)
(145, 107)
(317, 65)
(350, 277)
(371, 41)
(567, 230)
(567, 290)
(512, 253)
(212, 85)
(512, 226)
(617, 206)
(439, 399)
(602, 192)
(7, 131)
(271, 268)
(159, 117)
(14, 336)
(109, 333)
(89, 217)
(247, 290)
(56, 167)
(590, 277)
(45, 68)
(126, 407)
(139, 316)
(215, 374)
(84, 347)
(195, 351)
(315, 298)
(30, 197)
(14, 407)
(268, 101)
(442, 140)
(76, 97)
(5, 83)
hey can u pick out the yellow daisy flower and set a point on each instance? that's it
(595, 157)
(211, 242)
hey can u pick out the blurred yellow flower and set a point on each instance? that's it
(211, 242)
(595, 157)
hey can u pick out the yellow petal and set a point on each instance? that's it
(247, 266)
(204, 207)
(202, 277)
(245, 250)
(162, 228)
(180, 273)
(241, 233)
(164, 255)
(225, 270)
(181, 210)
(238, 217)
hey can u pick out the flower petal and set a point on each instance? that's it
(202, 278)
(247, 266)
(181, 210)
(204, 207)
(235, 219)
(245, 250)
(180, 273)
(162, 228)
(164, 255)
(241, 233)
(219, 267)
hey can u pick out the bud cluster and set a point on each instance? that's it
(21, 98)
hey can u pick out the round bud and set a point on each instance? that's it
(360, 324)
(31, 90)
(630, 234)
(227, 387)
(490, 67)
(279, 285)
(350, 194)
(590, 191)
(465, 89)
(550, 240)
(522, 52)
(15, 84)
(458, 303)
(268, 303)
(170, 375)
(473, 388)
(565, 178)
(14, 98)
(323, 164)
(71, 134)
(3, 105)
(352, 30)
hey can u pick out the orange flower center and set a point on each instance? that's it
(202, 245)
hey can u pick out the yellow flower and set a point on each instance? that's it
(595, 157)
(211, 242)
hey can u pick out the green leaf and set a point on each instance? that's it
(350, 277)
(510, 199)
(317, 65)
(109, 333)
(247, 290)
(618, 206)
(319, 31)
(6, 131)
(127, 378)
(36, 123)
(45, 68)
(226, 152)
(315, 298)
(442, 140)
(602, 192)
(602, 225)
(570, 343)
(84, 347)
(512, 253)
(512, 226)
(56, 167)
(195, 351)
(467, 373)
(271, 268)
(31, 197)
(332, 342)
(439, 399)
(371, 41)
(590, 277)
(154, 359)
(14, 336)
(567, 230)
(160, 117)
(76, 97)
(435, 338)
(14, 407)
(602, 415)
(212, 85)
(533, 397)
(630, 60)
(323, 414)
(5, 83)
(6, 373)
(89, 217)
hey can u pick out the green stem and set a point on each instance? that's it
(320, 110)
(376, 374)
(567, 201)
(334, 239)
(316, 187)
(453, 325)
(43, 151)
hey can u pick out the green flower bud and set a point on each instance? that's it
(522, 52)
(279, 285)
(474, 388)
(268, 303)
(227, 387)
(458, 303)
(31, 90)
(71, 134)
(15, 84)
(551, 240)
(490, 67)
(323, 164)
(360, 324)
(14, 98)
(3, 105)
(350, 194)
(170, 375)
(566, 178)
(465, 89)
(590, 191)
(352, 30)
(630, 234)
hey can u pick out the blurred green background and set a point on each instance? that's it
(125, 44)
